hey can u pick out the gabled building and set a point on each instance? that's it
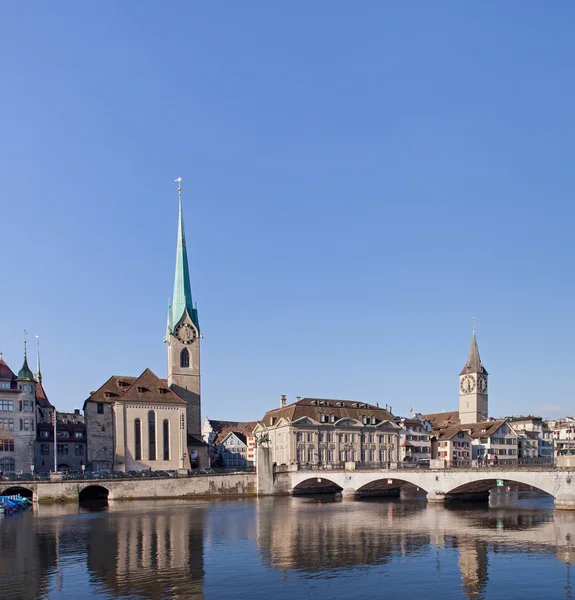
(454, 446)
(414, 440)
(315, 431)
(237, 451)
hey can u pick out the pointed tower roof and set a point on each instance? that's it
(473, 364)
(182, 298)
(25, 372)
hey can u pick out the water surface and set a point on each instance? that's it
(307, 547)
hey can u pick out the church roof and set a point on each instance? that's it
(473, 364)
(148, 387)
(442, 420)
(313, 407)
(182, 298)
(112, 389)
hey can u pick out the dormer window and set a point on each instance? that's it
(322, 418)
(272, 420)
(363, 419)
(372, 420)
(141, 389)
(332, 418)
(163, 390)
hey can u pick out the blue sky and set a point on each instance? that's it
(360, 179)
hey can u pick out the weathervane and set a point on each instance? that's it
(179, 181)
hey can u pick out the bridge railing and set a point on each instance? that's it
(514, 463)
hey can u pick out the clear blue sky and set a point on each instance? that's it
(360, 179)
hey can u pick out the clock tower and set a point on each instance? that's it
(473, 401)
(183, 335)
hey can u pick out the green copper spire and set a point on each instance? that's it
(39, 372)
(182, 298)
(24, 372)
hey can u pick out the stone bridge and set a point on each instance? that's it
(240, 484)
(440, 485)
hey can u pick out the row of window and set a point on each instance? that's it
(25, 405)
(330, 455)
(25, 424)
(6, 385)
(346, 438)
(417, 438)
(62, 449)
(62, 434)
(151, 438)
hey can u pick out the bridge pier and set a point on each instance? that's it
(348, 493)
(436, 496)
(565, 502)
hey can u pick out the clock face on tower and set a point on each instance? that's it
(482, 384)
(467, 384)
(186, 333)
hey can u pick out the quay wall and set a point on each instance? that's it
(240, 484)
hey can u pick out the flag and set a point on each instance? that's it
(178, 179)
(411, 409)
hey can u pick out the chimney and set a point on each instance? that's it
(76, 411)
(282, 401)
(297, 398)
(390, 409)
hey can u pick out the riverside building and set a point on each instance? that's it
(316, 431)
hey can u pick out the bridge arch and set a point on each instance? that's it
(316, 485)
(387, 485)
(483, 485)
(18, 490)
(94, 493)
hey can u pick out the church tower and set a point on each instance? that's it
(183, 335)
(473, 388)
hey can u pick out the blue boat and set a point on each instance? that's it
(12, 504)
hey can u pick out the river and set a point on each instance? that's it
(305, 547)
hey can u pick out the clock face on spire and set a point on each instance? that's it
(482, 384)
(467, 384)
(186, 333)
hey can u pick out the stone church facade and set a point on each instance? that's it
(146, 422)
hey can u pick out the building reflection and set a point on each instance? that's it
(152, 554)
(310, 536)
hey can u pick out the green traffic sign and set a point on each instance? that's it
(500, 483)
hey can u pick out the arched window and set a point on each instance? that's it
(138, 439)
(166, 439)
(184, 358)
(151, 435)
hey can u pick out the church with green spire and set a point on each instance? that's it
(147, 422)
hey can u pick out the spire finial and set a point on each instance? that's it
(179, 182)
(39, 373)
(473, 324)
(25, 334)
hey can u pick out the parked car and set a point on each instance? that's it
(207, 471)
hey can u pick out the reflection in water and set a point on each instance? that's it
(283, 546)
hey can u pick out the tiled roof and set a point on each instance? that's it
(148, 387)
(443, 419)
(41, 396)
(240, 428)
(5, 371)
(112, 389)
(314, 407)
(450, 432)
